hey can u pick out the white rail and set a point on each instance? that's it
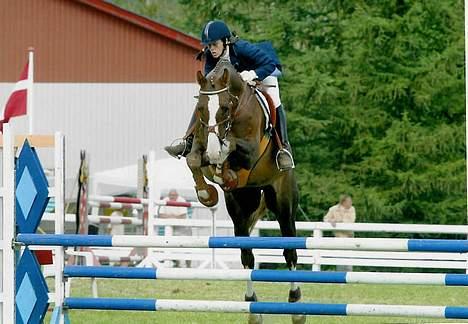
(306, 226)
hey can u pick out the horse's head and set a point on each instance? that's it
(218, 100)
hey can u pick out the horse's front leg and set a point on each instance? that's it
(207, 194)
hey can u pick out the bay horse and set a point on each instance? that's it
(232, 148)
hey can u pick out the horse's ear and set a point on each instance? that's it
(225, 77)
(201, 79)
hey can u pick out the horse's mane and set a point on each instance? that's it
(235, 81)
(221, 65)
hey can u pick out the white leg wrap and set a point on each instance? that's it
(250, 291)
(294, 285)
(203, 194)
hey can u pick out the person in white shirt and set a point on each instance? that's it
(343, 212)
(177, 213)
(173, 211)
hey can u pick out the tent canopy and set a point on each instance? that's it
(170, 173)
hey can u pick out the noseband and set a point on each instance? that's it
(213, 92)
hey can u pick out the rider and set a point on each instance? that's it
(254, 62)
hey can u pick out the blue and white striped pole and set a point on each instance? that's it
(267, 307)
(269, 275)
(367, 244)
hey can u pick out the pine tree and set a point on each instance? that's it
(375, 97)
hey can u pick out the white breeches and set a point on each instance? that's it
(272, 88)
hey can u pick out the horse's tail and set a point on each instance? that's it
(258, 213)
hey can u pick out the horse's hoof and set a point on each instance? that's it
(295, 295)
(252, 298)
(298, 319)
(255, 319)
(208, 196)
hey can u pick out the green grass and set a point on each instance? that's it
(211, 290)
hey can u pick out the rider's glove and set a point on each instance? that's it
(248, 76)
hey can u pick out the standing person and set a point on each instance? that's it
(343, 212)
(254, 62)
(177, 213)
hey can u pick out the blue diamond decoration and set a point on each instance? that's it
(25, 192)
(31, 190)
(25, 298)
(31, 297)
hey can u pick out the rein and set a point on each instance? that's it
(212, 128)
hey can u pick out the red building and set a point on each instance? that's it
(92, 41)
(115, 83)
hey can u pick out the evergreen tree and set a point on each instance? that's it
(375, 97)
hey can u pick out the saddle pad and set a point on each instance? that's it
(266, 111)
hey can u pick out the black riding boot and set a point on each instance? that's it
(284, 158)
(183, 148)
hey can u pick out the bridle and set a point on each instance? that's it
(228, 120)
(213, 92)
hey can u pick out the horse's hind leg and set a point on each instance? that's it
(295, 295)
(241, 205)
(282, 200)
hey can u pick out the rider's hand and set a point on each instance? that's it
(249, 76)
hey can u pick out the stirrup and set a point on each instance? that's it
(283, 150)
(182, 140)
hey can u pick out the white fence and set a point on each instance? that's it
(316, 258)
(230, 258)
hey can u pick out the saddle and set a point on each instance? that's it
(268, 108)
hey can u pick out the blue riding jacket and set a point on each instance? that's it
(246, 56)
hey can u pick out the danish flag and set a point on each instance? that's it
(17, 103)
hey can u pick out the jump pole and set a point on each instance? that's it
(269, 276)
(266, 307)
(366, 244)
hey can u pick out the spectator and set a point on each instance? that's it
(178, 213)
(343, 212)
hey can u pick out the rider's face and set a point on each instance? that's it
(216, 48)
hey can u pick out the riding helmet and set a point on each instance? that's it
(214, 30)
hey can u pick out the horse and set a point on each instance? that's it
(233, 148)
